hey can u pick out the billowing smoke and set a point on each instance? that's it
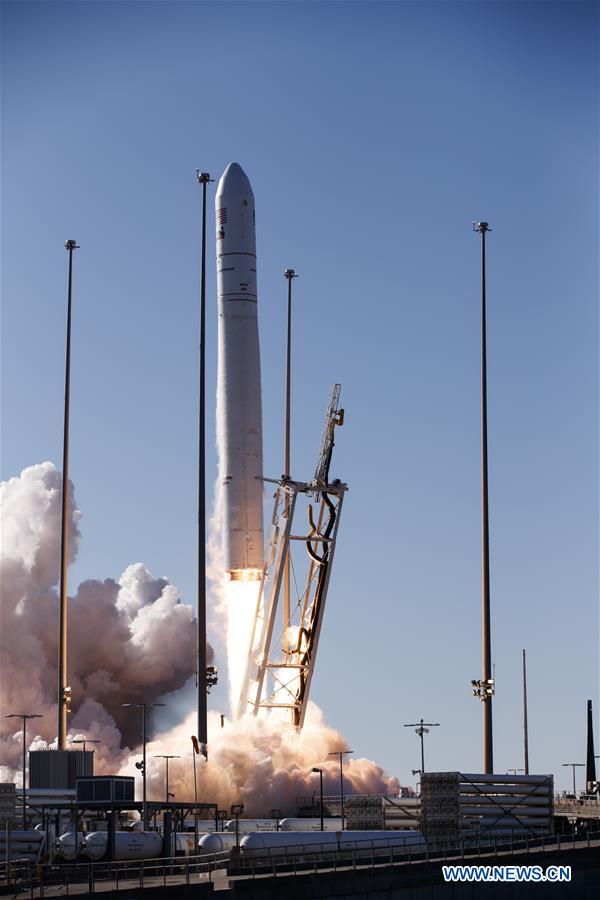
(130, 640)
(260, 763)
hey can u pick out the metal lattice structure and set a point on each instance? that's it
(283, 649)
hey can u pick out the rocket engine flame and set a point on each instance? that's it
(240, 599)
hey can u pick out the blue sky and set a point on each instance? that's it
(373, 134)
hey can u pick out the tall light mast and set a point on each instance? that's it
(484, 689)
(64, 691)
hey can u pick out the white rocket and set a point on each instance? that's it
(239, 422)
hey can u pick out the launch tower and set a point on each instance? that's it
(283, 649)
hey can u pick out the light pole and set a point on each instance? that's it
(204, 179)
(64, 691)
(23, 717)
(276, 815)
(142, 765)
(574, 766)
(320, 771)
(289, 275)
(525, 727)
(340, 754)
(484, 689)
(166, 757)
(422, 728)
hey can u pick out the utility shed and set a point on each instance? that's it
(457, 807)
(8, 799)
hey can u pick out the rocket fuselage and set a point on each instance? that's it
(239, 421)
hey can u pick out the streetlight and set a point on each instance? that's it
(142, 765)
(574, 766)
(422, 728)
(166, 757)
(24, 717)
(236, 810)
(340, 753)
(320, 771)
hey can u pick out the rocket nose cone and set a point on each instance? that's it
(234, 180)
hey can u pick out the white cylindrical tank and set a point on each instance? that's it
(246, 825)
(183, 844)
(216, 842)
(65, 845)
(297, 843)
(128, 845)
(300, 824)
(239, 413)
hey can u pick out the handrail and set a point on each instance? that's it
(122, 872)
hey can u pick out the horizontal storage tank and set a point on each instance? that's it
(298, 843)
(22, 844)
(183, 844)
(300, 824)
(65, 845)
(246, 825)
(217, 842)
(128, 845)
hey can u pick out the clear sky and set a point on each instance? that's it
(373, 134)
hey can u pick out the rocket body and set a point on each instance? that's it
(239, 413)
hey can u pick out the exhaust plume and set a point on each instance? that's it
(260, 763)
(133, 640)
(130, 640)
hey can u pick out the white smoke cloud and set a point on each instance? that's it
(133, 640)
(259, 762)
(130, 640)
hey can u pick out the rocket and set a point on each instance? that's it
(239, 414)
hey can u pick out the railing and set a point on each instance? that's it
(580, 804)
(28, 879)
(298, 860)
(121, 875)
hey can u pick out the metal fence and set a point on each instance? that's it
(298, 860)
(39, 881)
(46, 880)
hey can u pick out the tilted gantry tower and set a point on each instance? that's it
(283, 650)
